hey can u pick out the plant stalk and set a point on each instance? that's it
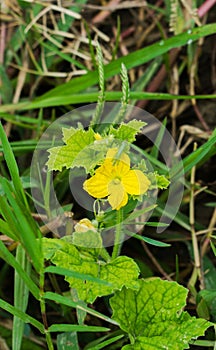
(197, 262)
(118, 236)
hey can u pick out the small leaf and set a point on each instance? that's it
(153, 316)
(67, 341)
(162, 181)
(158, 181)
(128, 131)
(209, 296)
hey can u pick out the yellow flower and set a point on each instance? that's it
(84, 225)
(115, 179)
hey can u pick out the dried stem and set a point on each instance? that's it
(197, 264)
(155, 262)
(210, 230)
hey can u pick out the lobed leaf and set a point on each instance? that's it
(153, 316)
(128, 131)
(122, 271)
(75, 152)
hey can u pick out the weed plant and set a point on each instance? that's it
(125, 257)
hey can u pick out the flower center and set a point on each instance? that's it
(116, 181)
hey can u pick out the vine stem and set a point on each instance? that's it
(118, 235)
(104, 254)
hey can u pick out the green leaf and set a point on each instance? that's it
(162, 181)
(128, 131)
(67, 341)
(153, 316)
(23, 316)
(213, 247)
(7, 229)
(75, 152)
(122, 271)
(210, 273)
(88, 239)
(158, 181)
(81, 149)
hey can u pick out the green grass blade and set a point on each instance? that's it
(200, 154)
(22, 315)
(21, 294)
(105, 343)
(68, 302)
(90, 97)
(12, 165)
(76, 328)
(132, 60)
(147, 239)
(6, 230)
(10, 260)
(208, 149)
(23, 224)
(155, 149)
(69, 273)
(138, 213)
(15, 44)
(9, 217)
(67, 93)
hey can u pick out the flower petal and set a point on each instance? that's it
(118, 197)
(121, 165)
(97, 186)
(106, 170)
(135, 182)
(84, 225)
